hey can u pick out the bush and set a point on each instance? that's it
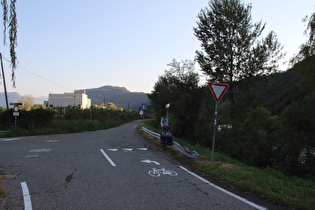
(253, 140)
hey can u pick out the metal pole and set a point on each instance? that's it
(5, 88)
(214, 130)
(15, 122)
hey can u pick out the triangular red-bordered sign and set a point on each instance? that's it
(217, 90)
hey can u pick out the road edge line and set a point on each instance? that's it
(224, 190)
(26, 196)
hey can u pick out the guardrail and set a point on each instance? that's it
(151, 133)
(177, 146)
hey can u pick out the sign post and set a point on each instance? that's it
(141, 113)
(167, 106)
(217, 90)
(16, 112)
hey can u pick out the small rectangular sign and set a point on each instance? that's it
(143, 106)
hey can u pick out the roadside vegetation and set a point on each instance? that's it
(265, 144)
(266, 117)
(267, 183)
(40, 121)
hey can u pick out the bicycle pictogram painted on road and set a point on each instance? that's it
(157, 172)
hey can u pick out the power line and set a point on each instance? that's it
(47, 80)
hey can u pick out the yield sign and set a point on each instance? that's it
(218, 90)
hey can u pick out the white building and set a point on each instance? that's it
(69, 99)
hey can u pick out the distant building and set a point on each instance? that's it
(69, 99)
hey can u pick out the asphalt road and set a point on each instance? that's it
(108, 169)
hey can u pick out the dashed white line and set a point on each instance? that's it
(108, 158)
(52, 141)
(225, 191)
(26, 196)
(113, 150)
(11, 139)
(40, 150)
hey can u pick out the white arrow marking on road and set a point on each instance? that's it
(150, 161)
(114, 150)
(143, 149)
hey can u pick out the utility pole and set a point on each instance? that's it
(5, 88)
(74, 98)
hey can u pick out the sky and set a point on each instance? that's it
(64, 45)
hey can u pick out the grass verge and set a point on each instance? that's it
(270, 184)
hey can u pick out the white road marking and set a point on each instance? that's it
(113, 150)
(129, 149)
(108, 158)
(40, 150)
(150, 161)
(11, 139)
(225, 191)
(32, 156)
(52, 141)
(26, 196)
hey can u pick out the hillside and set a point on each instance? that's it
(120, 96)
(13, 97)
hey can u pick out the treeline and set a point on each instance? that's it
(62, 120)
(267, 118)
(273, 121)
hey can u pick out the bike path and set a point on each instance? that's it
(70, 172)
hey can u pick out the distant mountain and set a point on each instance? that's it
(13, 97)
(120, 96)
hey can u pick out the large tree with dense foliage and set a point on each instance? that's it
(179, 87)
(231, 46)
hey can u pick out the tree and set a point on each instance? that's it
(231, 48)
(307, 49)
(307, 54)
(27, 101)
(10, 24)
(111, 106)
(179, 87)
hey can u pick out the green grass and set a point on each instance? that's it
(273, 185)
